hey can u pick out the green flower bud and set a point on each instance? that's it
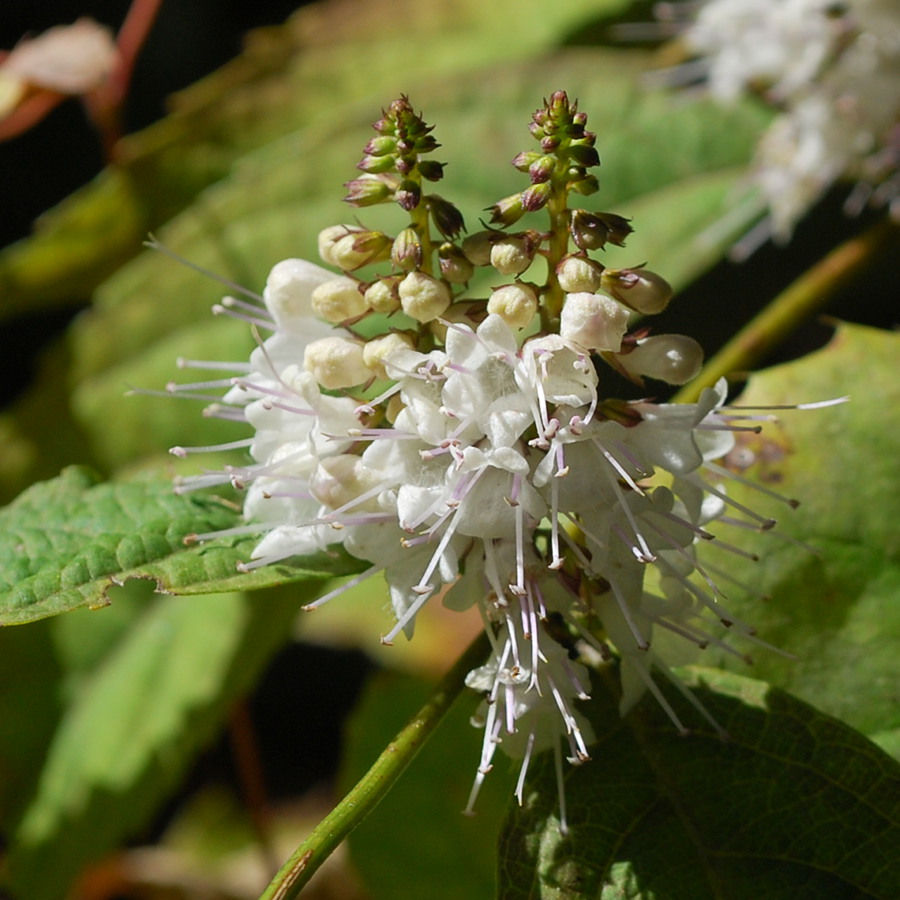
(380, 146)
(589, 231)
(526, 159)
(585, 186)
(583, 155)
(407, 253)
(508, 210)
(375, 165)
(640, 289)
(367, 190)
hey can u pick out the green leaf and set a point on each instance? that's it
(64, 543)
(836, 608)
(157, 696)
(793, 806)
(396, 854)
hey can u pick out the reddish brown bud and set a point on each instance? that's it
(446, 217)
(431, 170)
(542, 169)
(536, 196)
(408, 195)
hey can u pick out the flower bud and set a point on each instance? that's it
(338, 300)
(526, 159)
(375, 165)
(381, 146)
(508, 210)
(576, 274)
(407, 253)
(582, 154)
(511, 255)
(477, 247)
(367, 190)
(431, 170)
(592, 231)
(289, 288)
(642, 290)
(378, 349)
(593, 321)
(381, 296)
(336, 362)
(542, 169)
(673, 358)
(516, 304)
(585, 186)
(455, 267)
(422, 297)
(589, 232)
(536, 196)
(360, 249)
(446, 217)
(408, 195)
(328, 237)
(618, 228)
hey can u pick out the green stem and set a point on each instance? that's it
(366, 794)
(558, 246)
(807, 295)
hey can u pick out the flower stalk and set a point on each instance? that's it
(808, 295)
(365, 795)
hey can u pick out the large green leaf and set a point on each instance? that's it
(792, 806)
(835, 608)
(157, 696)
(66, 542)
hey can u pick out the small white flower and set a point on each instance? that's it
(68, 59)
(833, 72)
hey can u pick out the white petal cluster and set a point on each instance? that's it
(834, 72)
(502, 465)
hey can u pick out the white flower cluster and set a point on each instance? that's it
(504, 481)
(833, 71)
(464, 449)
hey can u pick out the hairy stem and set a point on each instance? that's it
(366, 794)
